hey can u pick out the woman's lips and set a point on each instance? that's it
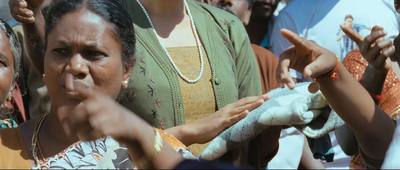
(71, 93)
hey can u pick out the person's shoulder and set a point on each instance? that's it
(219, 15)
(294, 4)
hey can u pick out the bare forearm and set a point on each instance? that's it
(34, 40)
(355, 106)
(373, 81)
(184, 134)
(144, 149)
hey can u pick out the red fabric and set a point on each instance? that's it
(17, 96)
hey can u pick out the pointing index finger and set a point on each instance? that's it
(354, 35)
(295, 39)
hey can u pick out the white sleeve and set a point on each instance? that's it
(392, 158)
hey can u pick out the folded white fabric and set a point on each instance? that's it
(310, 113)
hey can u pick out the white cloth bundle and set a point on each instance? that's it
(310, 113)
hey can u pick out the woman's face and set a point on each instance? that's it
(82, 48)
(6, 66)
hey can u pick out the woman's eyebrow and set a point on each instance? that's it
(64, 43)
(92, 44)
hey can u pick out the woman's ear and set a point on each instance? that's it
(127, 75)
(14, 82)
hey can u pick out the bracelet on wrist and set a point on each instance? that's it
(333, 75)
(147, 160)
(373, 95)
(376, 96)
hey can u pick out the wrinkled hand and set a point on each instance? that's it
(374, 48)
(209, 127)
(23, 10)
(306, 57)
(99, 116)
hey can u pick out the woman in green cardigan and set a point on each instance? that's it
(192, 59)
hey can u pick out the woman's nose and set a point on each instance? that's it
(78, 66)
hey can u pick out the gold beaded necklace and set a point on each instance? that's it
(35, 139)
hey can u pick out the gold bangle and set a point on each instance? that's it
(147, 160)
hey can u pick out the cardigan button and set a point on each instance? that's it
(217, 81)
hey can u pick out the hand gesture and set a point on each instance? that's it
(98, 116)
(208, 128)
(23, 10)
(306, 57)
(374, 48)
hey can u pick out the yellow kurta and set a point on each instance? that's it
(198, 98)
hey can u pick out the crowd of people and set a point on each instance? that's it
(144, 84)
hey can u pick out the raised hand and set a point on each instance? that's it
(374, 48)
(98, 116)
(353, 35)
(306, 57)
(23, 10)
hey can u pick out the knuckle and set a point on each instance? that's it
(385, 54)
(367, 39)
(249, 99)
(381, 45)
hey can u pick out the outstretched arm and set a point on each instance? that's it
(206, 129)
(372, 127)
(374, 48)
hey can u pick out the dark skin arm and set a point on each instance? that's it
(375, 50)
(345, 95)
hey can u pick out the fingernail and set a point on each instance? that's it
(22, 3)
(307, 73)
(29, 13)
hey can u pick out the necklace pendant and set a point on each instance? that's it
(313, 87)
